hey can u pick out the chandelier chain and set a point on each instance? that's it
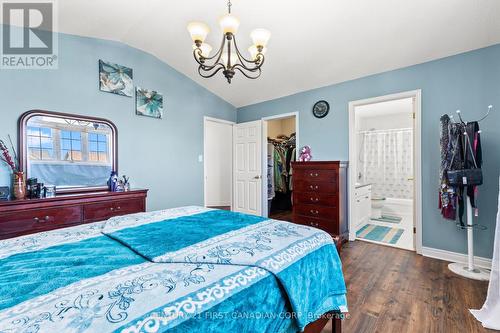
(229, 6)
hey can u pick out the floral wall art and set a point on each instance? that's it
(149, 103)
(116, 79)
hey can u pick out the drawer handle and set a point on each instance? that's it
(314, 174)
(314, 187)
(45, 219)
(314, 224)
(118, 208)
(314, 199)
(315, 212)
(111, 209)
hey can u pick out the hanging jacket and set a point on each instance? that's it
(458, 151)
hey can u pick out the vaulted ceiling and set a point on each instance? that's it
(314, 43)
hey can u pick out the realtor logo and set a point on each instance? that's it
(28, 41)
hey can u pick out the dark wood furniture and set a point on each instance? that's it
(320, 196)
(22, 217)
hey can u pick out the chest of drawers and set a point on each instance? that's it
(320, 196)
(21, 217)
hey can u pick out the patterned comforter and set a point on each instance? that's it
(178, 270)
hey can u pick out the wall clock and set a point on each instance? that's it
(321, 109)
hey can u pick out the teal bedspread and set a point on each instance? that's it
(41, 272)
(303, 259)
(179, 270)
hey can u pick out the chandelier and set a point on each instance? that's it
(228, 58)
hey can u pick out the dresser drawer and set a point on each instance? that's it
(323, 224)
(105, 210)
(316, 175)
(36, 220)
(323, 212)
(315, 187)
(128, 207)
(315, 198)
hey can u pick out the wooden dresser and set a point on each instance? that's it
(21, 217)
(320, 196)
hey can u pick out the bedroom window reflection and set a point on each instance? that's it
(40, 143)
(98, 147)
(71, 146)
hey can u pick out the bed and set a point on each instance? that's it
(178, 270)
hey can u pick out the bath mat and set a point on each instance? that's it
(380, 234)
(388, 219)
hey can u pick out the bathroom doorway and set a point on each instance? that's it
(384, 163)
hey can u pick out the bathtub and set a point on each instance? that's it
(398, 207)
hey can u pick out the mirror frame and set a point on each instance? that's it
(23, 151)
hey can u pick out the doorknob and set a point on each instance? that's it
(256, 177)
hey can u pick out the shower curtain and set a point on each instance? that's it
(489, 313)
(386, 161)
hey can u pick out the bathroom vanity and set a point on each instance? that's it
(362, 205)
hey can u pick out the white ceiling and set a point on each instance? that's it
(314, 43)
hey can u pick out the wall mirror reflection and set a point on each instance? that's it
(73, 153)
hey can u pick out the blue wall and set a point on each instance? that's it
(161, 155)
(468, 81)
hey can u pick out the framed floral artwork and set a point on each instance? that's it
(116, 79)
(148, 103)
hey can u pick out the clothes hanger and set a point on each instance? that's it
(490, 107)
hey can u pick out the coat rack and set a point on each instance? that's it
(470, 271)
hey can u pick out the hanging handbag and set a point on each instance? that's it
(465, 177)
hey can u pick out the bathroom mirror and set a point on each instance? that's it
(74, 153)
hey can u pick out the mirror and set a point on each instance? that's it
(74, 153)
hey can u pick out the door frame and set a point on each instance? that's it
(264, 120)
(417, 160)
(221, 121)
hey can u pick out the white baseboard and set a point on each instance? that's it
(454, 257)
(219, 204)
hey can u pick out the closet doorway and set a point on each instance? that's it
(385, 170)
(218, 164)
(280, 139)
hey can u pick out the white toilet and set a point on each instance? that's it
(377, 205)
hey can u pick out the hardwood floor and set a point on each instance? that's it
(220, 207)
(283, 215)
(393, 290)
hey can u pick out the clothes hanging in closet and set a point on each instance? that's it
(283, 153)
(270, 171)
(458, 151)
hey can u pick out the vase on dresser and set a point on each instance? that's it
(19, 185)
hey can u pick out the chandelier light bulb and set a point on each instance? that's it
(229, 24)
(205, 49)
(260, 37)
(198, 31)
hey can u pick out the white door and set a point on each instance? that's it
(218, 163)
(247, 166)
